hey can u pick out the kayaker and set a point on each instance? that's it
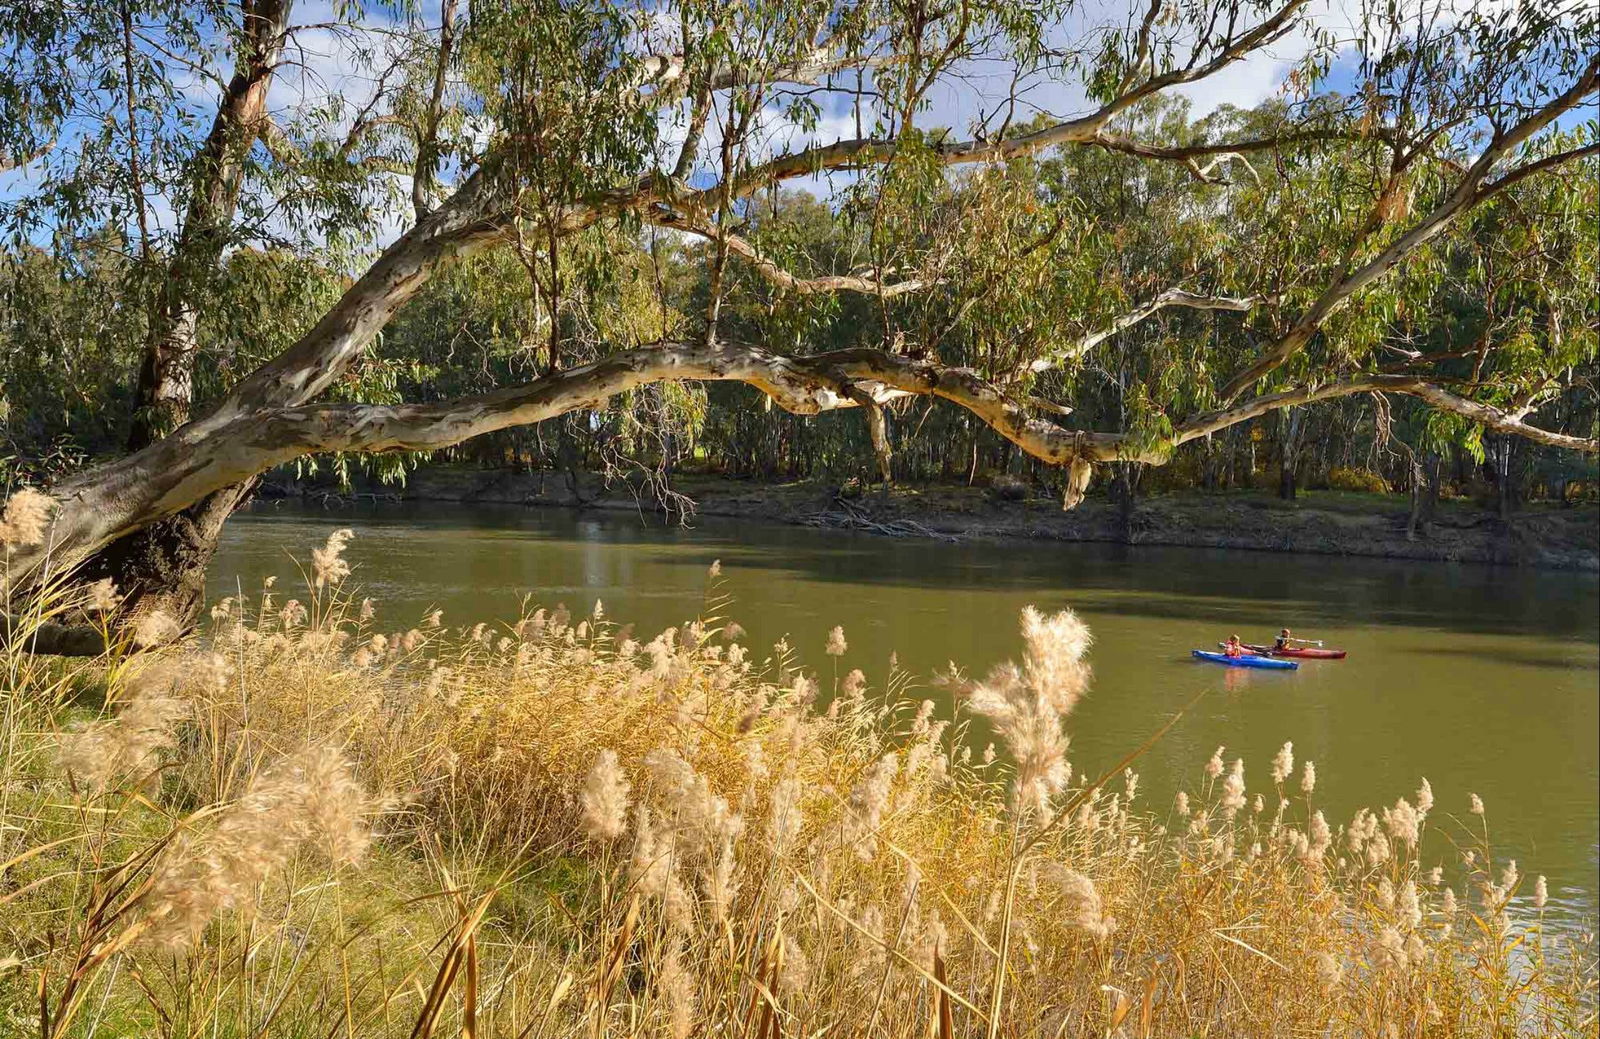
(1283, 640)
(1233, 648)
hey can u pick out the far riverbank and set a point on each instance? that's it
(1320, 523)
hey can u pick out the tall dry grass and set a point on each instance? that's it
(305, 824)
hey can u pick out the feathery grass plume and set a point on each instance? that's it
(1541, 892)
(26, 518)
(697, 815)
(1378, 850)
(293, 614)
(1403, 822)
(156, 628)
(675, 989)
(328, 565)
(1424, 798)
(869, 799)
(1080, 902)
(604, 798)
(1329, 973)
(714, 571)
(677, 902)
(1283, 763)
(1181, 804)
(721, 881)
(1476, 804)
(101, 752)
(101, 596)
(1214, 766)
(1308, 778)
(1390, 950)
(785, 819)
(651, 856)
(1321, 836)
(836, 643)
(1409, 906)
(1233, 789)
(1447, 905)
(1029, 705)
(307, 801)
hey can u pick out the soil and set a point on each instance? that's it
(1319, 522)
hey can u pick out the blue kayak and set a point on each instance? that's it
(1267, 663)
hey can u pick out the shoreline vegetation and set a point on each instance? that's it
(1317, 523)
(316, 819)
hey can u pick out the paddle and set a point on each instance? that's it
(1308, 642)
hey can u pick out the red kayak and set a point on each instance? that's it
(1304, 652)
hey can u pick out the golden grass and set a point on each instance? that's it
(300, 826)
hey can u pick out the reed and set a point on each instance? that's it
(302, 823)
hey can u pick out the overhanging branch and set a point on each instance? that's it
(1078, 348)
(770, 269)
(1486, 415)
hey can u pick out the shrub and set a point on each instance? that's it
(1005, 487)
(1346, 478)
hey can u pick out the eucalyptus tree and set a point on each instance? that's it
(558, 131)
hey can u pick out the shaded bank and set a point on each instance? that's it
(1321, 524)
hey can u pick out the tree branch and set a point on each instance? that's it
(428, 141)
(1527, 170)
(1267, 32)
(11, 161)
(1483, 414)
(769, 269)
(1170, 298)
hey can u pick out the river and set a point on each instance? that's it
(1482, 679)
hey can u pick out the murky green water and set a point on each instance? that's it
(1481, 679)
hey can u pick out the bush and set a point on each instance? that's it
(1345, 478)
(1004, 487)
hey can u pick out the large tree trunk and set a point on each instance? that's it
(1424, 494)
(1290, 419)
(1125, 492)
(161, 568)
(165, 391)
(1503, 455)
